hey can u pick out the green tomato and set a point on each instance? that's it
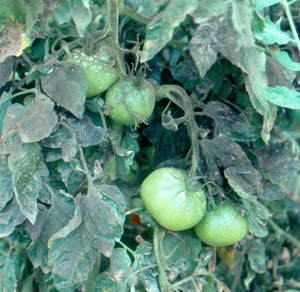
(99, 72)
(129, 104)
(222, 226)
(168, 200)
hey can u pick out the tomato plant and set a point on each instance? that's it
(132, 135)
(222, 226)
(98, 68)
(128, 104)
(168, 199)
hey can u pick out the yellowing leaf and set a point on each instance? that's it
(12, 40)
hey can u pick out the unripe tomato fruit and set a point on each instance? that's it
(127, 103)
(222, 226)
(168, 200)
(99, 72)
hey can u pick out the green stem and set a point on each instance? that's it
(296, 192)
(134, 210)
(291, 22)
(163, 283)
(127, 248)
(33, 90)
(281, 232)
(132, 14)
(84, 164)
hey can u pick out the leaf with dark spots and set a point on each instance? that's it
(49, 221)
(96, 225)
(120, 262)
(38, 121)
(229, 124)
(86, 133)
(67, 87)
(225, 154)
(280, 160)
(24, 164)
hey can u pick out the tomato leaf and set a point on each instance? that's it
(67, 87)
(120, 262)
(273, 33)
(160, 30)
(38, 121)
(124, 159)
(24, 165)
(49, 221)
(144, 257)
(257, 256)
(86, 133)
(283, 97)
(6, 185)
(230, 35)
(229, 124)
(285, 60)
(6, 68)
(81, 14)
(261, 4)
(97, 223)
(103, 283)
(8, 279)
(10, 217)
(5, 103)
(280, 160)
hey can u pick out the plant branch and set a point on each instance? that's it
(281, 232)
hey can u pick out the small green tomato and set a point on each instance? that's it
(128, 104)
(222, 226)
(99, 72)
(168, 200)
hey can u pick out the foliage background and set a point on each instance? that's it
(226, 76)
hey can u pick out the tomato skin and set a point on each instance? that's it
(100, 74)
(124, 95)
(165, 196)
(222, 226)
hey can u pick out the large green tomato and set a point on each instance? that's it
(99, 72)
(222, 226)
(128, 103)
(166, 197)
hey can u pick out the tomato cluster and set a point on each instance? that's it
(127, 103)
(167, 197)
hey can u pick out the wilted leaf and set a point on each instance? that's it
(10, 216)
(120, 262)
(67, 87)
(257, 226)
(6, 185)
(280, 160)
(273, 33)
(283, 97)
(160, 30)
(144, 257)
(229, 124)
(81, 14)
(6, 68)
(69, 149)
(97, 223)
(38, 121)
(230, 34)
(24, 165)
(8, 277)
(49, 221)
(223, 153)
(273, 192)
